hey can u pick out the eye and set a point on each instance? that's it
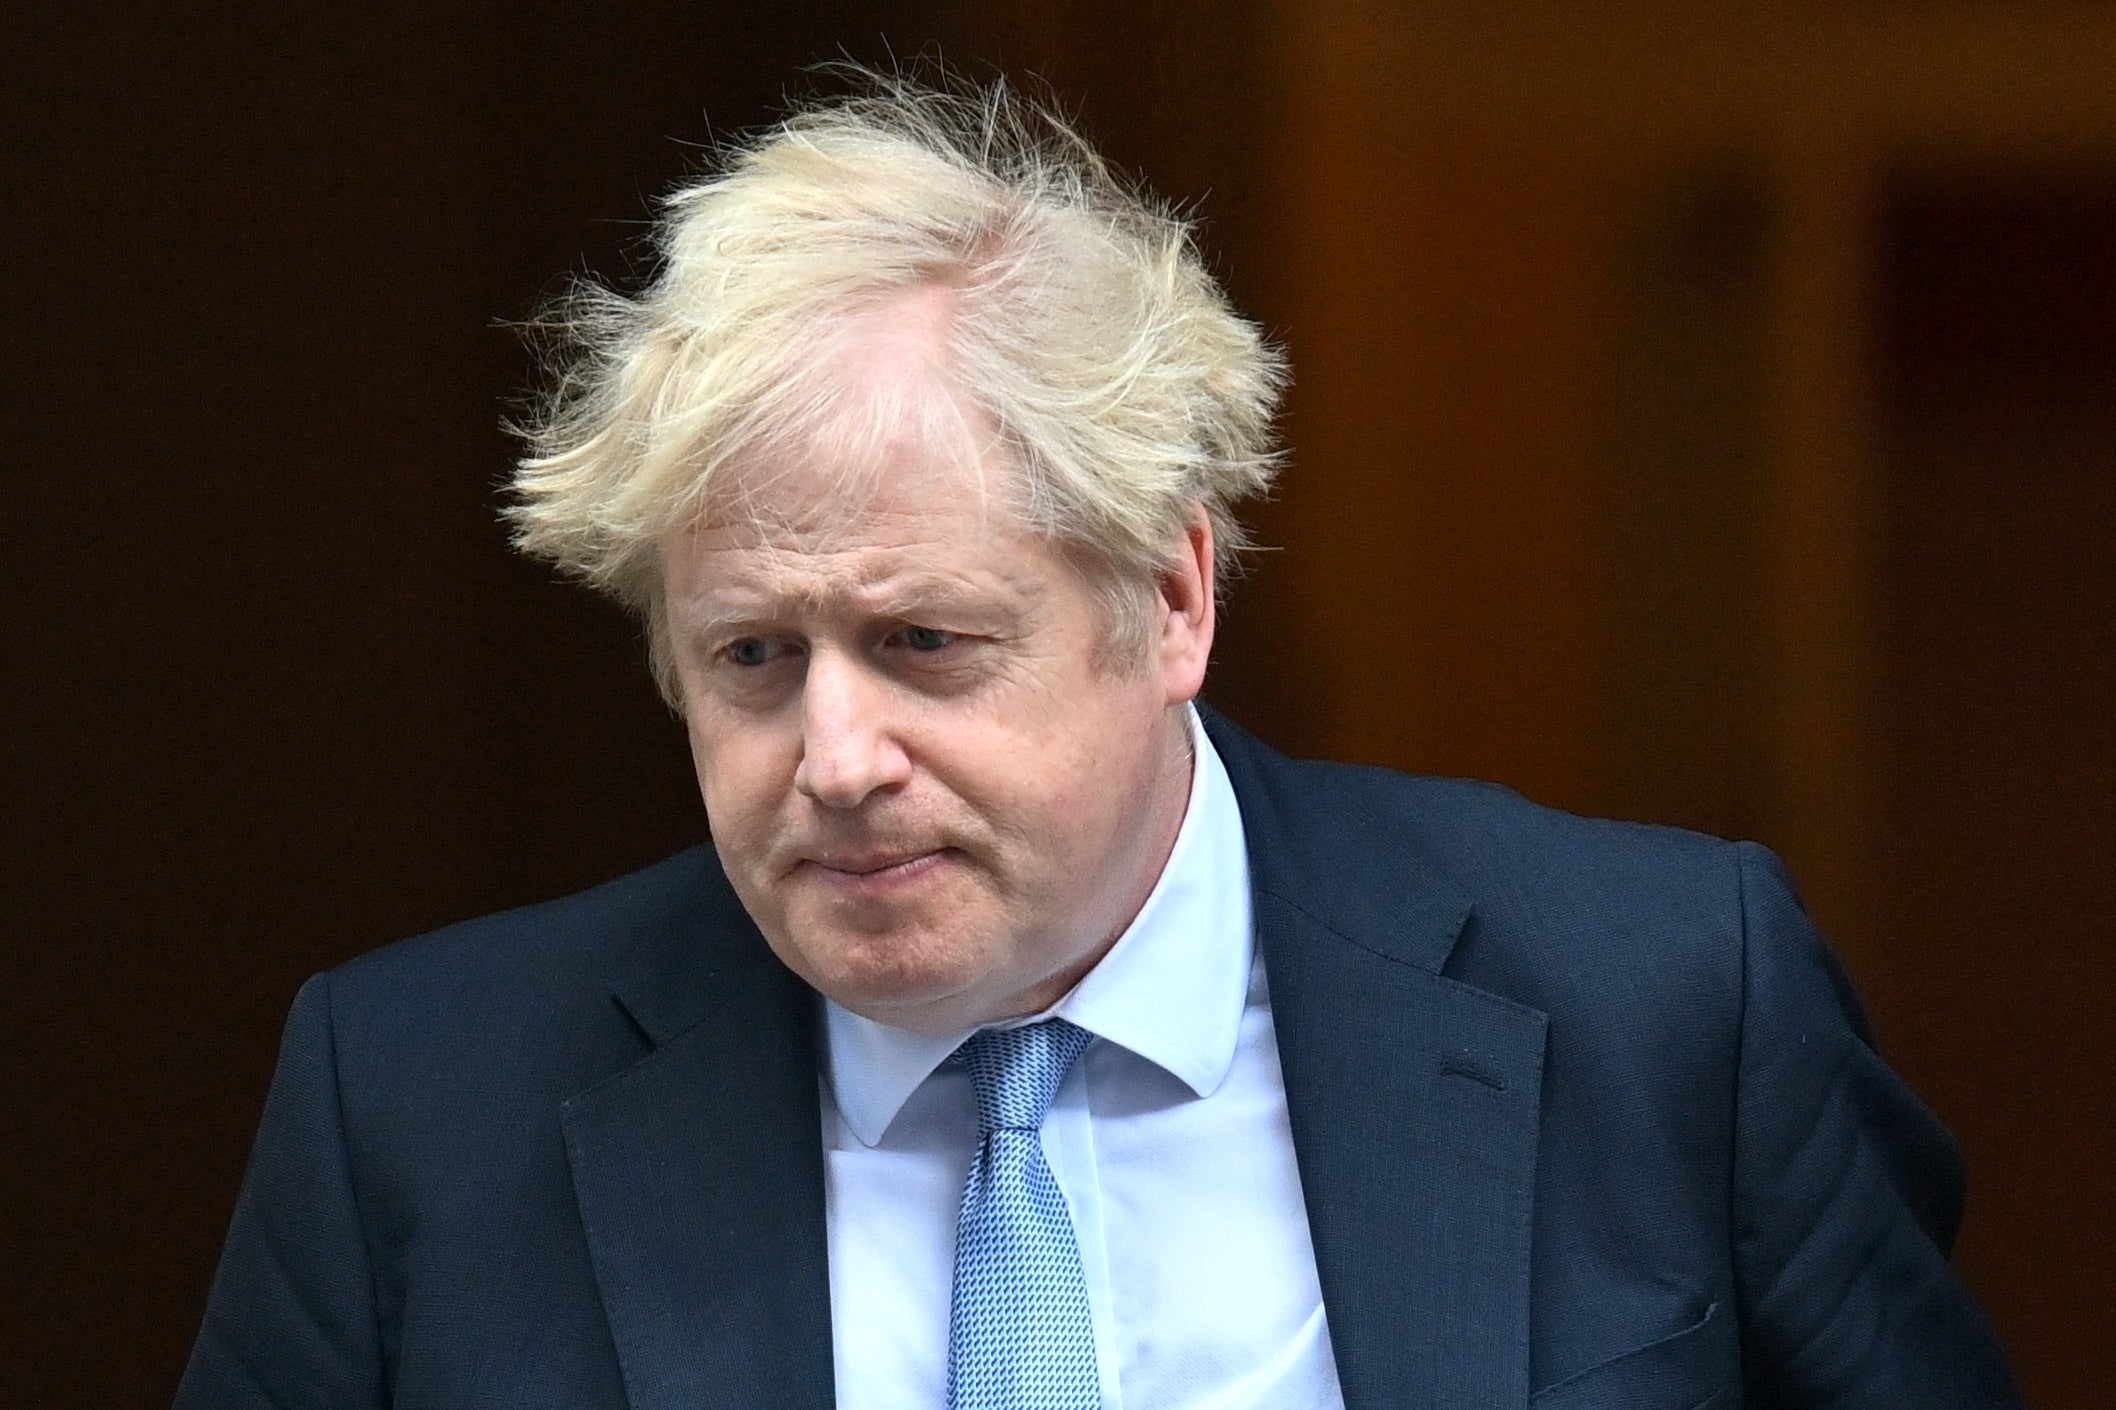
(752, 651)
(928, 638)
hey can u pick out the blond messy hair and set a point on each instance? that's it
(1122, 388)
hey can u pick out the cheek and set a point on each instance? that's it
(1091, 783)
(741, 778)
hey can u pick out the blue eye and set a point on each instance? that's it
(750, 651)
(928, 638)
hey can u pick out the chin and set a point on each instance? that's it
(889, 978)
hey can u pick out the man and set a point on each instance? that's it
(1024, 1038)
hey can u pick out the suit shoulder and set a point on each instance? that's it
(546, 947)
(1489, 832)
(518, 1006)
(1370, 815)
(1561, 909)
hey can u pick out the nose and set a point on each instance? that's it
(849, 747)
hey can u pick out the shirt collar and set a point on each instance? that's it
(1172, 989)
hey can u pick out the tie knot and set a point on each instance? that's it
(1017, 1071)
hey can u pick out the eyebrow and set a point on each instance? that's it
(907, 598)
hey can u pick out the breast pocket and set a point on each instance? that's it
(1697, 1368)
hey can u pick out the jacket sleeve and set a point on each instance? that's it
(1847, 1195)
(290, 1323)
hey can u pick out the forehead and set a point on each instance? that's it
(919, 524)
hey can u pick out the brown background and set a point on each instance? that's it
(1706, 412)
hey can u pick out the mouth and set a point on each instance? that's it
(871, 873)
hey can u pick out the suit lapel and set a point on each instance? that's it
(1414, 1109)
(1414, 1099)
(699, 1176)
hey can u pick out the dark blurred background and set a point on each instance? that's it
(1705, 412)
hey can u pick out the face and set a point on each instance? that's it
(937, 798)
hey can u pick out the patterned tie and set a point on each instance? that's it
(1020, 1337)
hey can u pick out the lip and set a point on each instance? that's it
(874, 872)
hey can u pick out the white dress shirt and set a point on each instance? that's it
(1168, 1137)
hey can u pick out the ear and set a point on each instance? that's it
(1186, 615)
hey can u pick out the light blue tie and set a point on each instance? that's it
(1020, 1337)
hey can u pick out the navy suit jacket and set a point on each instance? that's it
(1586, 1116)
